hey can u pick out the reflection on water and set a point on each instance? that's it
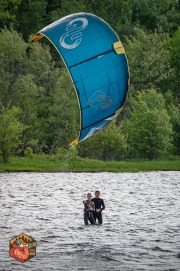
(141, 229)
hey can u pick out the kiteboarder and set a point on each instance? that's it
(99, 206)
(89, 208)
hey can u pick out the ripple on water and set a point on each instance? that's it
(140, 230)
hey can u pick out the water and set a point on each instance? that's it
(141, 229)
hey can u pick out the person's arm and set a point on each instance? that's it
(103, 205)
(93, 206)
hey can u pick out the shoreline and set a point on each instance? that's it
(54, 165)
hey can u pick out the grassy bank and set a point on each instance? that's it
(51, 164)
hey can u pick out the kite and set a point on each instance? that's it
(97, 64)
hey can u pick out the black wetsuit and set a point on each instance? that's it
(88, 215)
(99, 204)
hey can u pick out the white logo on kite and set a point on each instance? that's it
(73, 36)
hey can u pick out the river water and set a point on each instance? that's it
(141, 222)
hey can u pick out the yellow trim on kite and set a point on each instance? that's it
(38, 37)
(119, 110)
(129, 82)
(118, 47)
(73, 143)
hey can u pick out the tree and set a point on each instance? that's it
(16, 87)
(31, 17)
(64, 111)
(57, 10)
(12, 65)
(108, 144)
(174, 113)
(10, 132)
(173, 45)
(149, 61)
(26, 97)
(56, 101)
(8, 10)
(32, 81)
(151, 14)
(149, 130)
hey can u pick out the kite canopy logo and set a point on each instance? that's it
(97, 63)
(73, 33)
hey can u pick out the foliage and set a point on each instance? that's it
(65, 112)
(31, 16)
(149, 130)
(10, 132)
(174, 113)
(8, 10)
(60, 153)
(44, 163)
(28, 152)
(149, 61)
(108, 144)
(174, 48)
(151, 14)
(31, 81)
(37, 98)
(63, 8)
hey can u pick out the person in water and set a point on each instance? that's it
(99, 206)
(89, 208)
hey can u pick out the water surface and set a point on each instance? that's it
(141, 229)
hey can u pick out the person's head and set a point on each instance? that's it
(97, 194)
(89, 196)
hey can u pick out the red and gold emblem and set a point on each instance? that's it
(22, 248)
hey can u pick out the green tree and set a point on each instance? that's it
(65, 112)
(149, 130)
(57, 102)
(174, 47)
(108, 144)
(10, 132)
(31, 17)
(149, 61)
(26, 97)
(8, 9)
(16, 87)
(151, 14)
(12, 65)
(32, 80)
(57, 10)
(174, 113)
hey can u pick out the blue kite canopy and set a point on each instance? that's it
(97, 63)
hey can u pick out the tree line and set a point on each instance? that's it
(38, 106)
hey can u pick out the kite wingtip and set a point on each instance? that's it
(37, 37)
(73, 143)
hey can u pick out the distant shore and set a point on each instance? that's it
(52, 164)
